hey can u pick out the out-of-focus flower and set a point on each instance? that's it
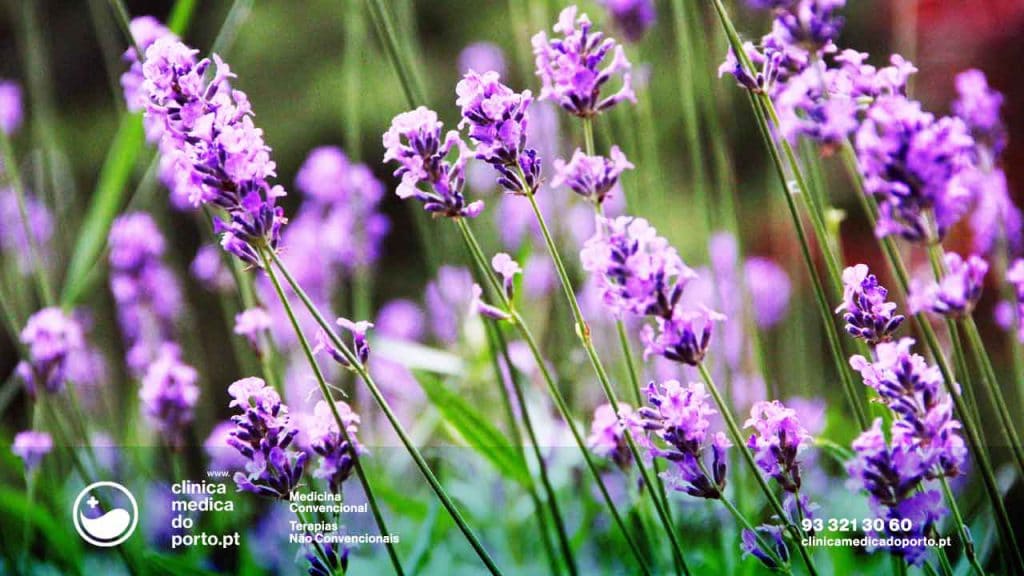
(810, 24)
(867, 314)
(592, 177)
(497, 121)
(958, 291)
(631, 17)
(263, 434)
(778, 439)
(913, 164)
(50, 337)
(678, 416)
(209, 270)
(400, 319)
(769, 289)
(14, 242)
(482, 57)
(978, 105)
(330, 559)
(222, 456)
(608, 433)
(10, 106)
(209, 133)
(1015, 276)
(336, 453)
(31, 446)
(169, 393)
(415, 142)
(995, 219)
(446, 298)
(252, 324)
(570, 66)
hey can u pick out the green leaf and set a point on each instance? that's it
(164, 564)
(16, 508)
(475, 429)
(104, 206)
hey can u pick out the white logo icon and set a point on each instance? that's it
(107, 525)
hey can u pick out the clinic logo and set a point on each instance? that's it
(105, 514)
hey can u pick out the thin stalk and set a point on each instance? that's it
(965, 535)
(378, 396)
(124, 21)
(499, 354)
(563, 408)
(741, 445)
(583, 332)
(307, 350)
(46, 293)
(386, 29)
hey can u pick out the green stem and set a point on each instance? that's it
(500, 346)
(965, 535)
(563, 408)
(741, 445)
(403, 436)
(124, 21)
(583, 332)
(307, 350)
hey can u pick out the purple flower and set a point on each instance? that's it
(678, 416)
(769, 289)
(445, 299)
(169, 393)
(31, 446)
(360, 345)
(252, 324)
(209, 133)
(218, 449)
(770, 534)
(777, 441)
(632, 17)
(497, 121)
(810, 24)
(146, 291)
(956, 293)
(914, 391)
(14, 242)
(995, 218)
(145, 31)
(208, 268)
(336, 453)
(324, 174)
(1015, 276)
(978, 105)
(570, 69)
(400, 319)
(683, 337)
(508, 269)
(639, 272)
(50, 338)
(486, 310)
(263, 434)
(326, 559)
(10, 106)
(607, 433)
(893, 476)
(913, 164)
(592, 177)
(414, 141)
(867, 314)
(482, 57)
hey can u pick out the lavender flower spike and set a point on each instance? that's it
(31, 446)
(263, 434)
(682, 337)
(50, 338)
(867, 314)
(570, 67)
(497, 120)
(957, 293)
(978, 105)
(336, 454)
(169, 393)
(10, 106)
(592, 177)
(414, 141)
(810, 24)
(778, 440)
(678, 416)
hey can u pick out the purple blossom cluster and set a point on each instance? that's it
(31, 446)
(572, 66)
(169, 393)
(415, 142)
(14, 242)
(811, 24)
(11, 112)
(778, 439)
(632, 18)
(51, 339)
(893, 475)
(208, 132)
(678, 417)
(957, 293)
(979, 106)
(264, 434)
(608, 433)
(867, 314)
(337, 451)
(592, 177)
(497, 121)
(145, 31)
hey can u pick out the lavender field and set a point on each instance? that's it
(429, 287)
